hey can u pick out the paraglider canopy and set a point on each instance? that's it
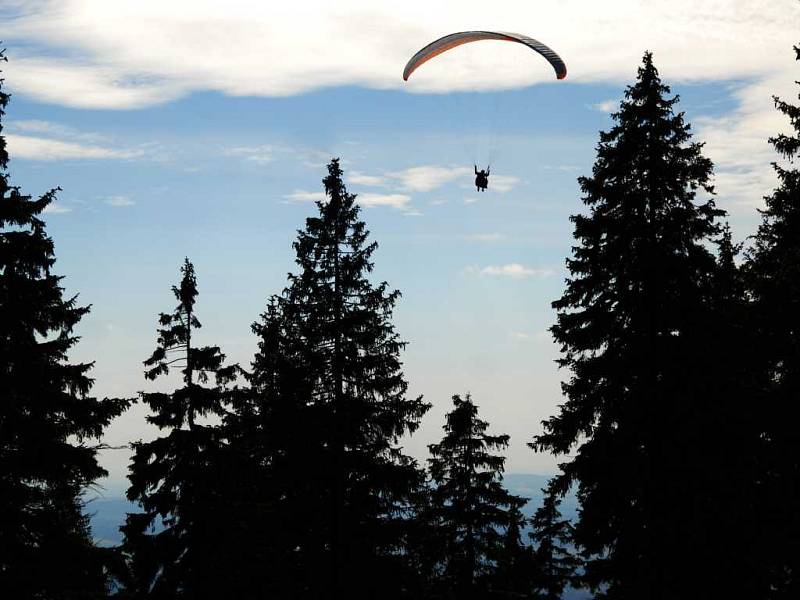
(453, 40)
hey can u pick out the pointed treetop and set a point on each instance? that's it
(647, 73)
(339, 205)
(3, 102)
(648, 92)
(187, 292)
(175, 331)
(647, 63)
(333, 182)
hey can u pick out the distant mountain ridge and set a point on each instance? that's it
(108, 513)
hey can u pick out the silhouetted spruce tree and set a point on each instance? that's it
(175, 543)
(278, 447)
(728, 428)
(332, 404)
(425, 545)
(515, 572)
(773, 268)
(47, 417)
(556, 567)
(633, 325)
(471, 504)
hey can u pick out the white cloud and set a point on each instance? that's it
(119, 201)
(737, 143)
(50, 129)
(357, 178)
(39, 148)
(89, 82)
(134, 53)
(46, 127)
(606, 106)
(262, 154)
(398, 201)
(422, 178)
(502, 183)
(305, 196)
(257, 154)
(56, 208)
(513, 270)
(315, 158)
(35, 139)
(427, 177)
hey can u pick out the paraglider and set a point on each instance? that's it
(454, 40)
(481, 178)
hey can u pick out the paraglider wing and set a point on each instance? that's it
(465, 37)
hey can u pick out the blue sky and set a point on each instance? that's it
(219, 159)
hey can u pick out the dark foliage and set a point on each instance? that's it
(325, 415)
(176, 544)
(516, 569)
(647, 415)
(773, 269)
(679, 429)
(471, 506)
(47, 417)
(556, 567)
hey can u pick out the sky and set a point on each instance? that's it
(202, 129)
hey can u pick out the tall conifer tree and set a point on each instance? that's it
(515, 572)
(556, 567)
(633, 327)
(177, 478)
(774, 277)
(471, 504)
(47, 417)
(425, 545)
(328, 381)
(728, 430)
(277, 446)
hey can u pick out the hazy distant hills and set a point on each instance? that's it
(108, 513)
(530, 486)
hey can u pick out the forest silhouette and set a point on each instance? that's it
(287, 478)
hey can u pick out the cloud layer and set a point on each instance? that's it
(397, 201)
(48, 141)
(427, 177)
(128, 54)
(510, 270)
(39, 148)
(738, 142)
